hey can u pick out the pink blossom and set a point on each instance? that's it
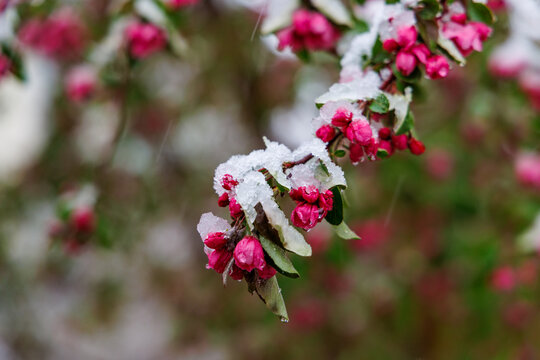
(309, 194)
(223, 200)
(219, 259)
(406, 37)
(326, 133)
(503, 279)
(342, 117)
(359, 131)
(405, 62)
(228, 182)
(249, 254)
(305, 216)
(235, 209)
(144, 39)
(437, 67)
(215, 240)
(467, 37)
(310, 30)
(527, 169)
(177, 4)
(326, 201)
(81, 83)
(421, 52)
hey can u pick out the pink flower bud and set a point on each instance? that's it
(302, 22)
(460, 18)
(503, 279)
(386, 147)
(215, 240)
(83, 219)
(390, 45)
(326, 133)
(309, 194)
(527, 169)
(267, 272)
(416, 147)
(236, 273)
(385, 133)
(305, 216)
(359, 131)
(400, 141)
(406, 36)
(219, 259)
(144, 39)
(223, 200)
(235, 209)
(326, 200)
(356, 153)
(228, 182)
(81, 83)
(437, 67)
(249, 254)
(405, 62)
(421, 52)
(342, 117)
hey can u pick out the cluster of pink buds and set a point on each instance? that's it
(74, 232)
(5, 65)
(144, 39)
(312, 206)
(227, 198)
(61, 36)
(389, 143)
(310, 30)
(467, 36)
(81, 83)
(178, 4)
(248, 255)
(410, 54)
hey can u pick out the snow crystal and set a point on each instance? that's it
(253, 190)
(364, 86)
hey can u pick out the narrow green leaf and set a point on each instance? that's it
(279, 258)
(380, 104)
(339, 153)
(335, 216)
(270, 294)
(343, 231)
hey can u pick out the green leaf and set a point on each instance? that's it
(378, 54)
(450, 48)
(403, 127)
(270, 294)
(340, 153)
(382, 153)
(17, 66)
(480, 12)
(335, 216)
(429, 9)
(324, 168)
(344, 231)
(279, 258)
(380, 104)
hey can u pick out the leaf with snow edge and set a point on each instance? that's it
(380, 104)
(400, 104)
(530, 240)
(361, 88)
(278, 15)
(343, 231)
(279, 258)
(452, 50)
(270, 294)
(406, 125)
(480, 12)
(382, 153)
(335, 10)
(335, 216)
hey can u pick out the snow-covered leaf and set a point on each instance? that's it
(335, 10)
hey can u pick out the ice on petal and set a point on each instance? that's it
(210, 223)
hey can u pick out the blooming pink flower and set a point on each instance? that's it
(309, 30)
(326, 201)
(467, 37)
(359, 131)
(80, 83)
(83, 219)
(177, 4)
(416, 146)
(219, 259)
(249, 254)
(342, 118)
(527, 169)
(228, 182)
(215, 240)
(309, 194)
(503, 279)
(305, 216)
(326, 133)
(144, 39)
(437, 67)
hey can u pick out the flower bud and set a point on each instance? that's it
(144, 39)
(215, 240)
(400, 141)
(342, 118)
(407, 36)
(223, 200)
(228, 182)
(305, 216)
(249, 254)
(390, 45)
(359, 131)
(385, 148)
(405, 62)
(326, 200)
(309, 194)
(385, 133)
(356, 153)
(234, 208)
(421, 52)
(326, 133)
(236, 273)
(83, 219)
(267, 272)
(416, 147)
(219, 259)
(437, 67)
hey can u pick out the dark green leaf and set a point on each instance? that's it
(335, 216)
(380, 104)
(324, 168)
(480, 12)
(429, 9)
(339, 153)
(270, 294)
(382, 153)
(279, 258)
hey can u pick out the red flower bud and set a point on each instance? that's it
(326, 133)
(405, 62)
(228, 182)
(407, 36)
(400, 141)
(249, 254)
(359, 131)
(219, 259)
(305, 216)
(234, 208)
(83, 219)
(326, 201)
(416, 147)
(215, 240)
(342, 117)
(223, 200)
(385, 133)
(437, 67)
